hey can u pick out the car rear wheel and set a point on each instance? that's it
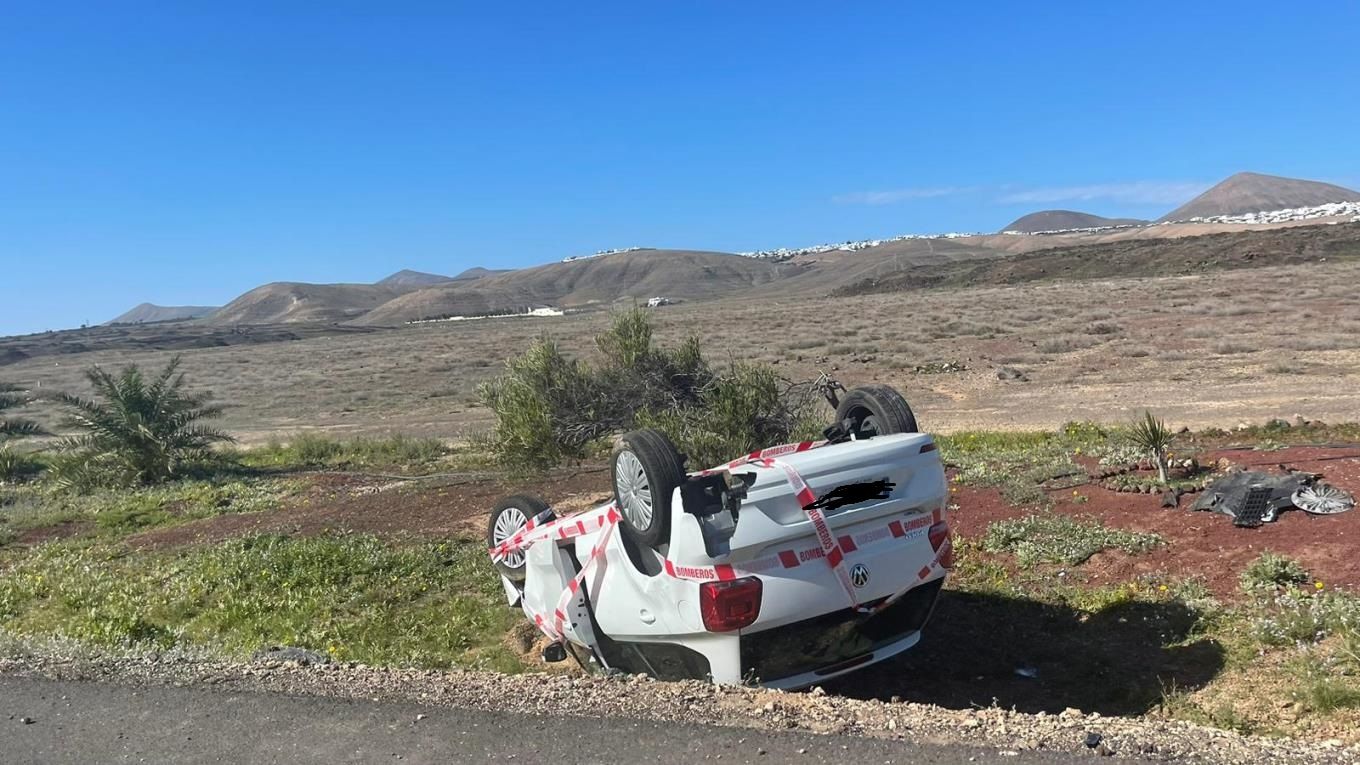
(509, 516)
(646, 468)
(875, 410)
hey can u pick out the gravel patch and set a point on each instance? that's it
(695, 702)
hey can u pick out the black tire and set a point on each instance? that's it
(527, 506)
(646, 455)
(875, 410)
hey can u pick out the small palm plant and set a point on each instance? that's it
(1151, 436)
(12, 397)
(138, 429)
(14, 465)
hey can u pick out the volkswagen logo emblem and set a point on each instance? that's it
(859, 574)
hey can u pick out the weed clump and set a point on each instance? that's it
(1062, 539)
(1272, 572)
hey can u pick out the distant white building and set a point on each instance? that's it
(657, 302)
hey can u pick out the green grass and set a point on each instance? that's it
(1324, 693)
(1023, 464)
(1062, 539)
(117, 512)
(354, 597)
(398, 453)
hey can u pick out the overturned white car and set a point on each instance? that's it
(785, 567)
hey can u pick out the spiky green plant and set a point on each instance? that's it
(15, 465)
(146, 430)
(1152, 436)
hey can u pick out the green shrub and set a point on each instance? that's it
(743, 409)
(135, 429)
(1051, 538)
(314, 449)
(1271, 572)
(550, 408)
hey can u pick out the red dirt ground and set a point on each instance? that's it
(1205, 545)
(49, 533)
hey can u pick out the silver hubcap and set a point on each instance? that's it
(635, 493)
(1323, 499)
(510, 520)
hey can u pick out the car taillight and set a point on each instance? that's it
(728, 606)
(927, 448)
(941, 543)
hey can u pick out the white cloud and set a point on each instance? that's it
(1136, 192)
(894, 196)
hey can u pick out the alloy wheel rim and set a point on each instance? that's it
(510, 521)
(634, 490)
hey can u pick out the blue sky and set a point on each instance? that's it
(181, 153)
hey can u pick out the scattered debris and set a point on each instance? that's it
(1252, 498)
(940, 368)
(1011, 373)
(1027, 672)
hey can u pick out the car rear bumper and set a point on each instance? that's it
(816, 649)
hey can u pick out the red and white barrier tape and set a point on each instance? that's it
(781, 450)
(566, 527)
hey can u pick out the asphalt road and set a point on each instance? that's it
(43, 721)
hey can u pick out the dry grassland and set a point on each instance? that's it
(1211, 349)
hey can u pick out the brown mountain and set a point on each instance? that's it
(1061, 220)
(148, 313)
(290, 302)
(638, 274)
(408, 278)
(1253, 192)
(477, 272)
